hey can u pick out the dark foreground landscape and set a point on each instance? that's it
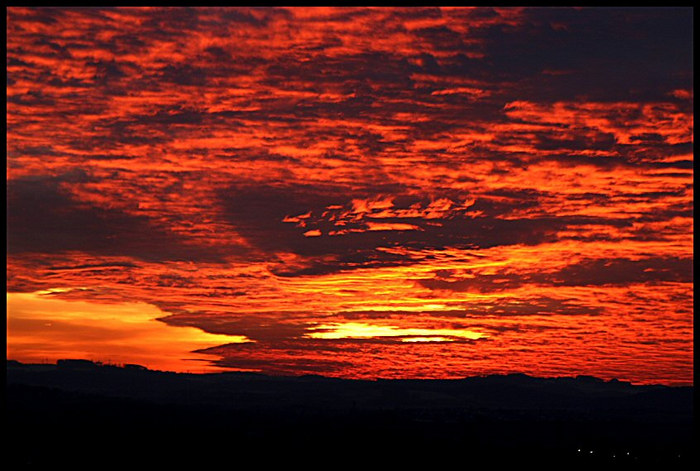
(80, 413)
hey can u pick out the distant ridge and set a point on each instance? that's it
(208, 418)
(73, 364)
(518, 391)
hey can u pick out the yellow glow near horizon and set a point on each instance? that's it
(403, 307)
(41, 328)
(362, 330)
(427, 339)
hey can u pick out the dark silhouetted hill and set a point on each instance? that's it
(77, 412)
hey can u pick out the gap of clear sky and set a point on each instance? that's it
(353, 192)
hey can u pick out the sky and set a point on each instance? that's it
(353, 192)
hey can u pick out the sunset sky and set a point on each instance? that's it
(353, 192)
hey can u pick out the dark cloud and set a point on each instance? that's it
(184, 74)
(298, 356)
(31, 98)
(43, 218)
(441, 37)
(595, 141)
(377, 74)
(502, 202)
(539, 305)
(479, 283)
(609, 54)
(610, 163)
(257, 213)
(109, 73)
(593, 272)
(167, 21)
(266, 327)
(667, 213)
(621, 271)
(239, 356)
(234, 16)
(92, 266)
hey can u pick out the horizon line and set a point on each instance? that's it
(74, 363)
